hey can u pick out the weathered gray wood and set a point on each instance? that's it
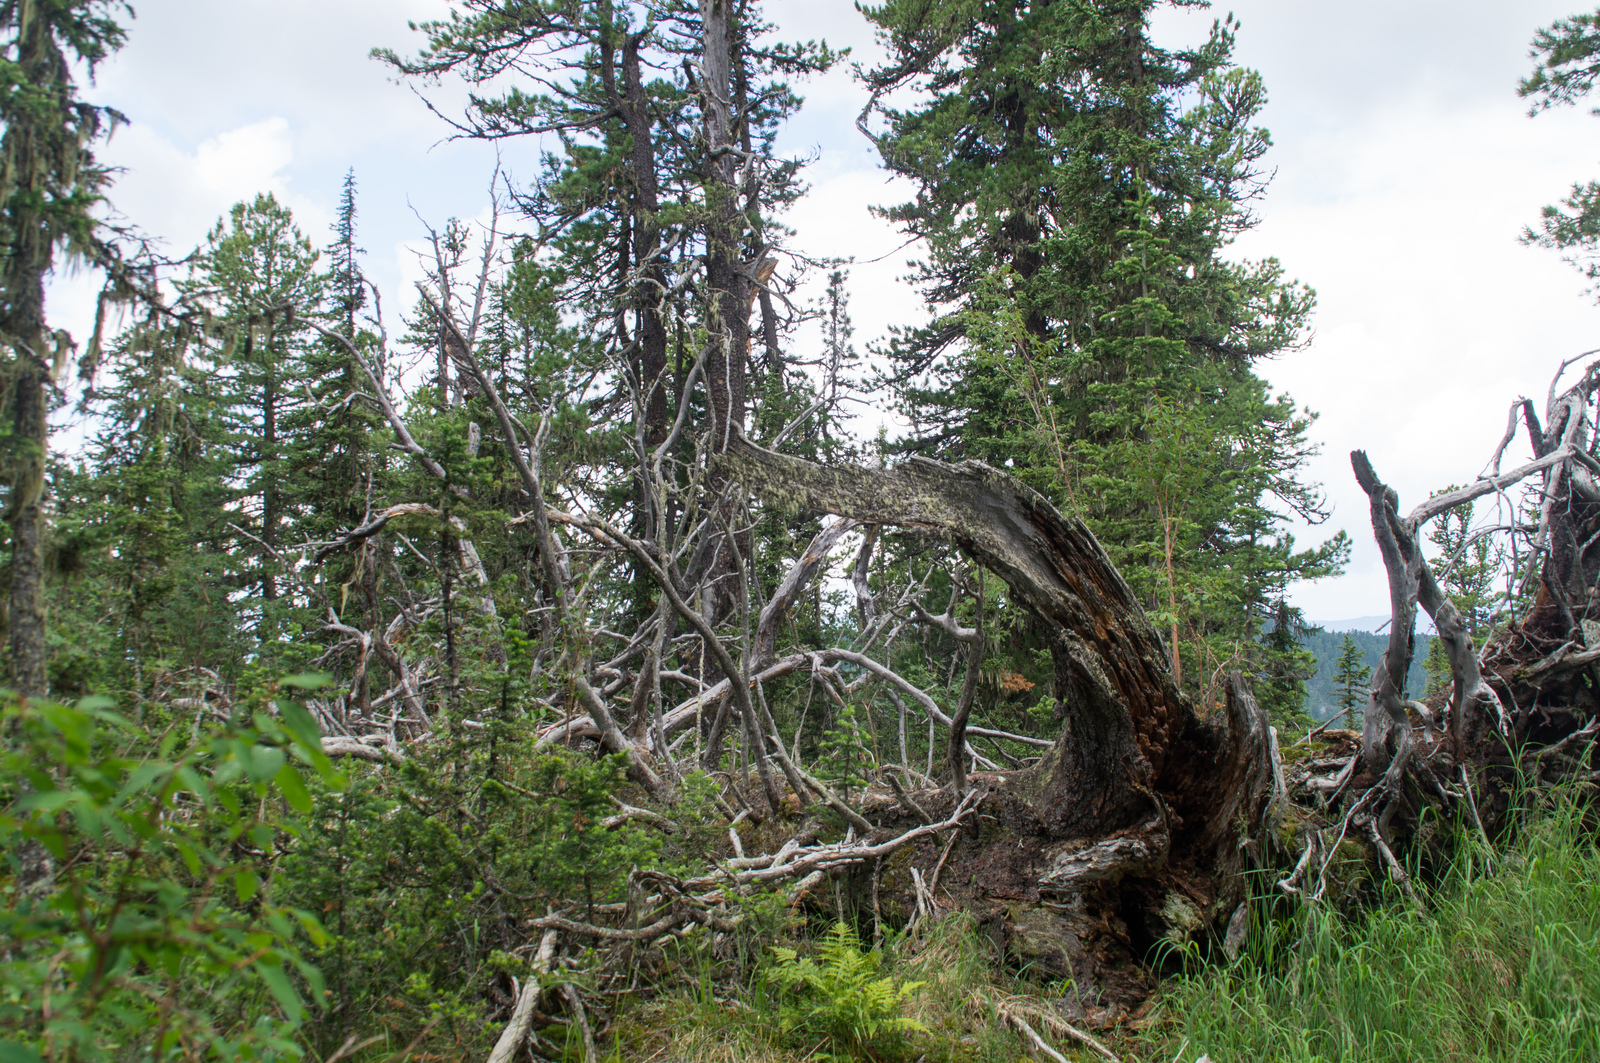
(1121, 709)
(1473, 703)
(799, 576)
(1402, 559)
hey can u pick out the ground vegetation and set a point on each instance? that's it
(586, 690)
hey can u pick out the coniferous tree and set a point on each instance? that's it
(1350, 680)
(1567, 54)
(50, 183)
(656, 213)
(151, 492)
(259, 272)
(1468, 567)
(331, 436)
(1077, 186)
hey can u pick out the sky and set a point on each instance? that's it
(1405, 168)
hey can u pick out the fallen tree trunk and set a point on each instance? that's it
(1136, 787)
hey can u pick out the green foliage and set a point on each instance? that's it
(1502, 966)
(846, 753)
(1077, 185)
(1437, 665)
(839, 997)
(140, 897)
(1468, 566)
(1322, 690)
(424, 874)
(1350, 679)
(1567, 54)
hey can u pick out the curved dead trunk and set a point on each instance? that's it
(1136, 784)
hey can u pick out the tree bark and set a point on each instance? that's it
(649, 283)
(728, 321)
(28, 655)
(1136, 786)
(33, 150)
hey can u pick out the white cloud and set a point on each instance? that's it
(178, 195)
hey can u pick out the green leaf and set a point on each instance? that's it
(140, 779)
(293, 789)
(95, 703)
(308, 736)
(308, 681)
(11, 1052)
(277, 980)
(245, 883)
(264, 762)
(190, 780)
(49, 801)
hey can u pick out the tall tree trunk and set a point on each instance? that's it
(728, 319)
(727, 312)
(28, 656)
(270, 501)
(650, 285)
(30, 150)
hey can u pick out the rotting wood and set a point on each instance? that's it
(1132, 759)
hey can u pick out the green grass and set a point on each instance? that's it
(1492, 967)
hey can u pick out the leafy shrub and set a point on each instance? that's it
(136, 890)
(842, 1000)
(425, 874)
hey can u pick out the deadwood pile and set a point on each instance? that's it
(1141, 819)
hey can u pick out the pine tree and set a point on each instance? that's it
(50, 184)
(330, 443)
(1350, 680)
(657, 208)
(1468, 567)
(346, 285)
(845, 753)
(259, 272)
(157, 595)
(1568, 56)
(1077, 186)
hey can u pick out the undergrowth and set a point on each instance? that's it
(1490, 966)
(1500, 961)
(930, 998)
(840, 996)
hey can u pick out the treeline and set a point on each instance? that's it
(1322, 689)
(1088, 334)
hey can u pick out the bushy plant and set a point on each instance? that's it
(137, 902)
(839, 997)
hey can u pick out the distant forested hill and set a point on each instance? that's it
(1320, 701)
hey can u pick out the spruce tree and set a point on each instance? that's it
(259, 273)
(50, 184)
(331, 436)
(1076, 188)
(1468, 566)
(1350, 680)
(1567, 58)
(656, 207)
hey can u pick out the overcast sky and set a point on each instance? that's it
(1406, 167)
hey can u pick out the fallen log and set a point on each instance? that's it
(1139, 806)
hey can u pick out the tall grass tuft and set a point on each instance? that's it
(1502, 966)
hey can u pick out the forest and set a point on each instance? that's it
(541, 663)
